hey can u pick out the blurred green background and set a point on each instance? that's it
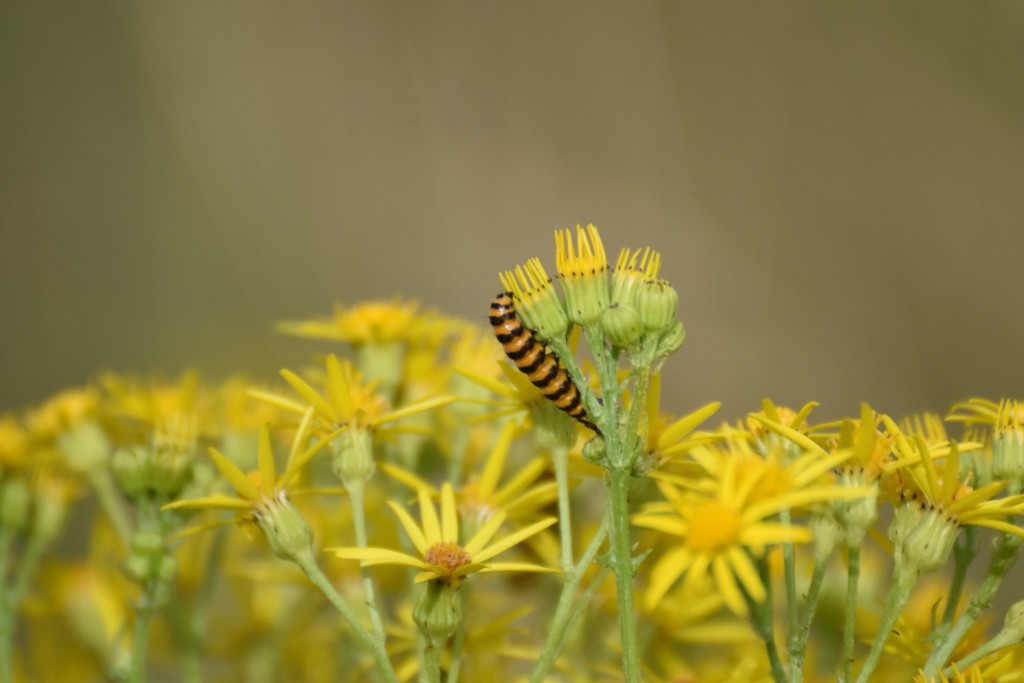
(837, 189)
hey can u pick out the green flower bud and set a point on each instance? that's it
(929, 543)
(352, 452)
(658, 303)
(85, 446)
(859, 515)
(286, 531)
(622, 325)
(1008, 457)
(595, 452)
(828, 535)
(131, 469)
(671, 340)
(438, 611)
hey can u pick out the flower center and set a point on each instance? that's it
(448, 555)
(713, 525)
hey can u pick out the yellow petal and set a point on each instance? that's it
(411, 529)
(312, 396)
(513, 539)
(449, 515)
(235, 476)
(428, 515)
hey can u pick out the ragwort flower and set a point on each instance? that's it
(441, 557)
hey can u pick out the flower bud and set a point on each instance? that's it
(85, 446)
(622, 325)
(352, 452)
(658, 303)
(131, 470)
(286, 531)
(438, 611)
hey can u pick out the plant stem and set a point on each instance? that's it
(433, 658)
(560, 458)
(899, 592)
(376, 647)
(763, 622)
(567, 606)
(1003, 558)
(458, 644)
(798, 640)
(356, 490)
(617, 484)
(789, 569)
(963, 553)
(850, 613)
(11, 600)
(103, 483)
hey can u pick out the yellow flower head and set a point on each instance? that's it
(584, 273)
(348, 401)
(61, 412)
(441, 556)
(724, 516)
(370, 322)
(631, 270)
(261, 492)
(13, 443)
(536, 301)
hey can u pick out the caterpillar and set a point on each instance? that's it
(536, 361)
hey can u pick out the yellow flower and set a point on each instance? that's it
(262, 494)
(724, 520)
(370, 322)
(13, 444)
(441, 557)
(480, 498)
(584, 273)
(349, 402)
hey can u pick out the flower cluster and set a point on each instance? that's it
(494, 503)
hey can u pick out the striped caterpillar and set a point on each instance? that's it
(536, 361)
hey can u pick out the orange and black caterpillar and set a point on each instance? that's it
(536, 361)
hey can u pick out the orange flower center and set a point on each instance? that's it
(448, 555)
(713, 526)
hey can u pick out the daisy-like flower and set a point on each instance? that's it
(482, 496)
(441, 556)
(262, 494)
(726, 518)
(370, 322)
(351, 408)
(935, 503)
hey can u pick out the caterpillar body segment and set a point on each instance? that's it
(540, 364)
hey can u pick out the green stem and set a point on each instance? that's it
(1003, 558)
(356, 489)
(145, 610)
(798, 640)
(850, 614)
(433, 659)
(458, 644)
(763, 621)
(106, 492)
(312, 570)
(789, 570)
(899, 592)
(563, 613)
(617, 482)
(560, 458)
(963, 553)
(11, 599)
